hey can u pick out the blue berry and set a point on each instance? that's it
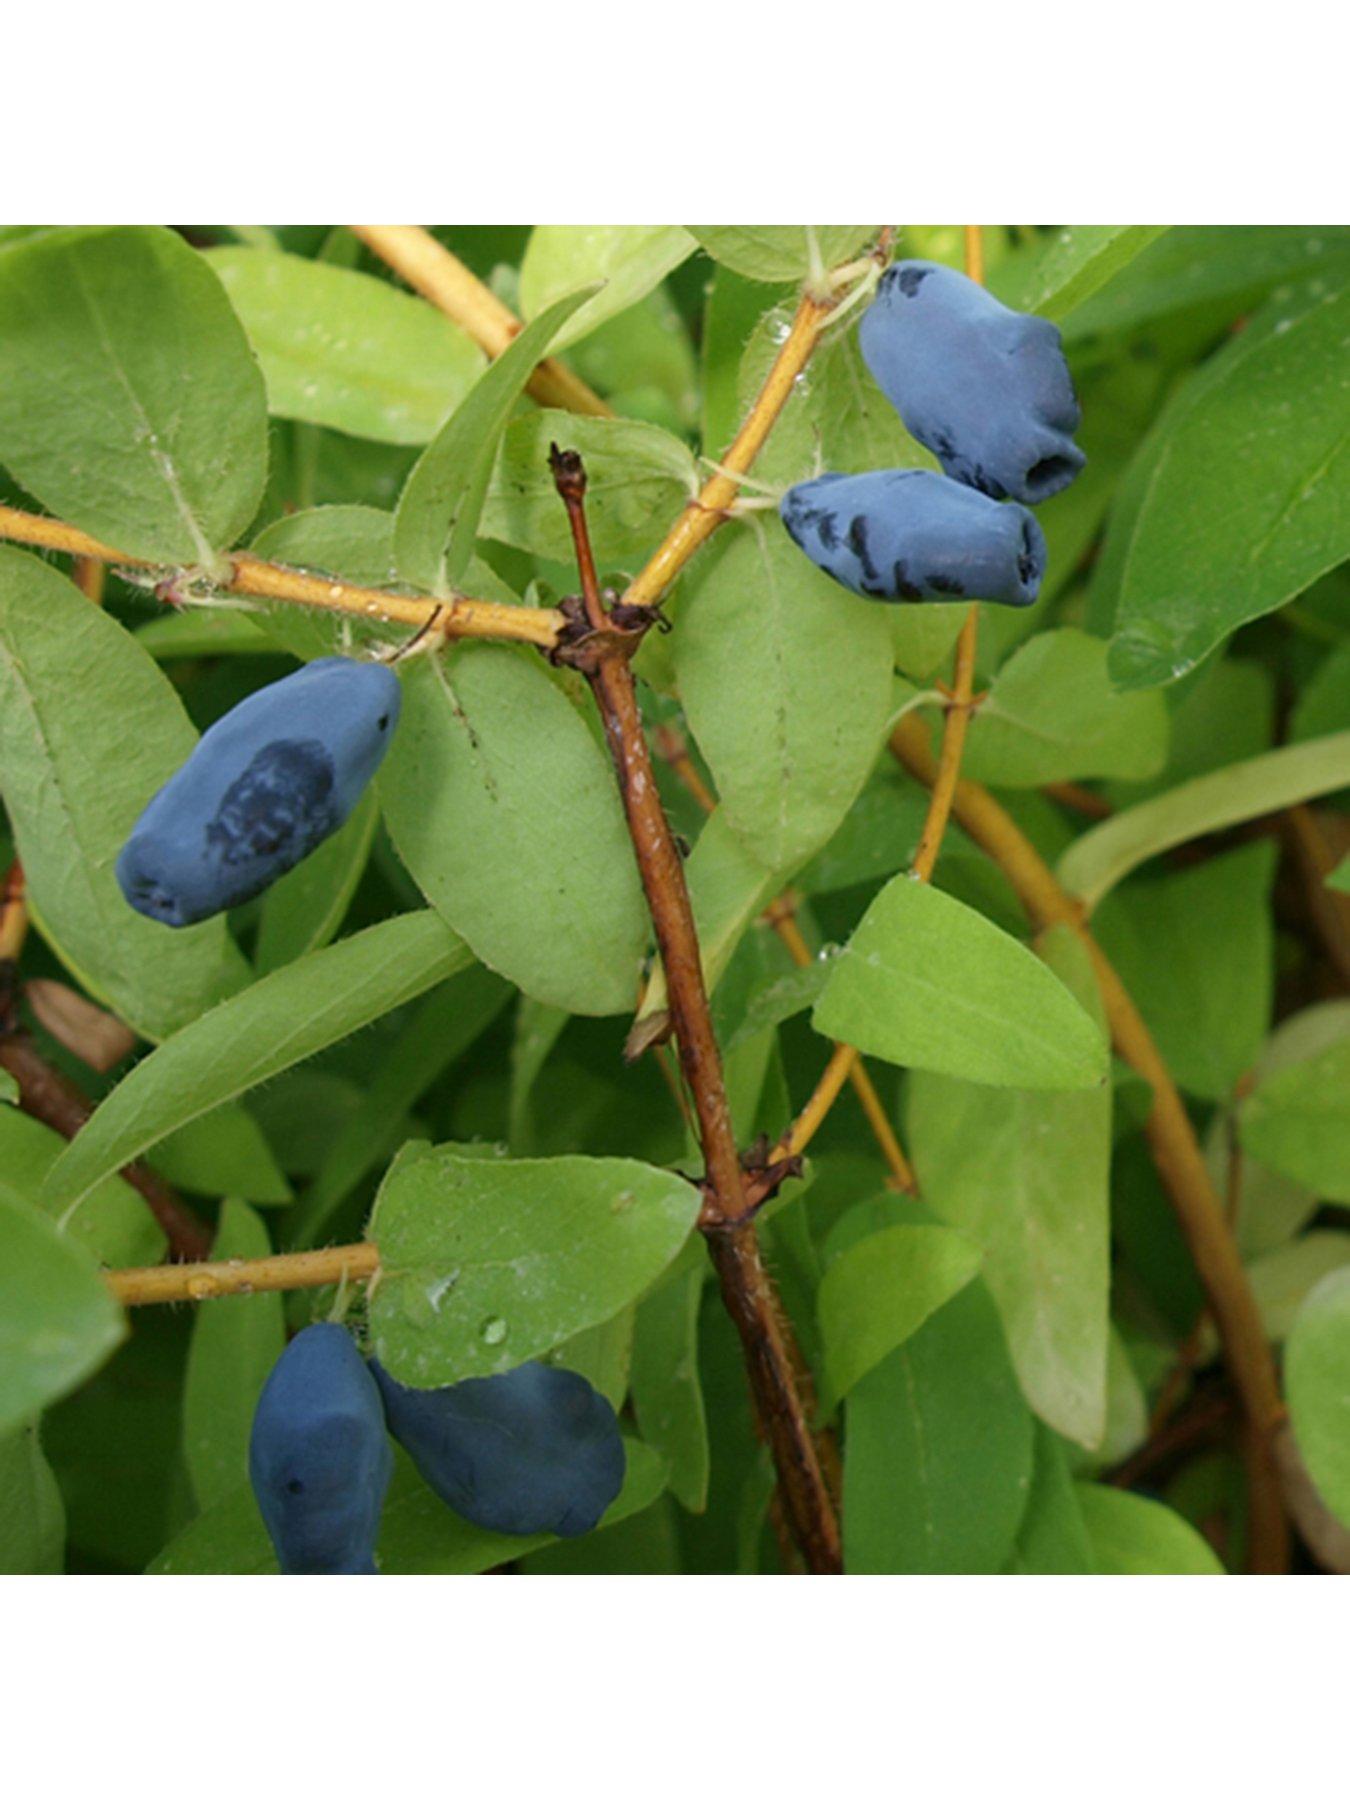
(908, 534)
(265, 786)
(987, 390)
(319, 1457)
(536, 1449)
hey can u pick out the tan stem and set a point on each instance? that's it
(439, 276)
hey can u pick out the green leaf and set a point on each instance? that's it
(304, 910)
(505, 810)
(130, 403)
(1052, 715)
(1026, 1176)
(1214, 540)
(538, 1029)
(438, 512)
(223, 1152)
(115, 1225)
(235, 1342)
(786, 681)
(782, 252)
(1223, 266)
(627, 261)
(9, 1089)
(485, 1264)
(58, 1321)
(1053, 1539)
(419, 1535)
(927, 982)
(771, 1001)
(637, 479)
(856, 427)
(938, 1450)
(1282, 1279)
(1339, 878)
(878, 1292)
(450, 1019)
(1317, 1382)
(346, 350)
(1134, 1536)
(1298, 1122)
(90, 729)
(200, 631)
(32, 1513)
(667, 1390)
(1056, 274)
(273, 1025)
(602, 1354)
(1196, 952)
(1104, 856)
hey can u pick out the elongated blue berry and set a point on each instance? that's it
(987, 390)
(536, 1449)
(319, 1457)
(909, 534)
(265, 786)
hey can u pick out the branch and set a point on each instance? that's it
(957, 718)
(702, 516)
(46, 1094)
(456, 617)
(425, 264)
(779, 914)
(1171, 1138)
(262, 1275)
(601, 648)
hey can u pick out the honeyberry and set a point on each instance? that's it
(265, 786)
(910, 534)
(535, 1449)
(319, 1457)
(986, 389)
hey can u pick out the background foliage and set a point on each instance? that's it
(1017, 1368)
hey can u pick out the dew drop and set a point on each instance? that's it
(493, 1331)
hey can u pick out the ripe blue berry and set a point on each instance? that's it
(265, 786)
(908, 534)
(987, 390)
(536, 1449)
(319, 1457)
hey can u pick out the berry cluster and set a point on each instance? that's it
(263, 788)
(534, 1450)
(988, 391)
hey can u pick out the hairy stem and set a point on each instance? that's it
(263, 1274)
(455, 617)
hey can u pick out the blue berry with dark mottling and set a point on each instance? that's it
(263, 788)
(536, 1449)
(319, 1456)
(909, 534)
(986, 389)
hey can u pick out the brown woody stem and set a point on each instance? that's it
(602, 654)
(46, 1094)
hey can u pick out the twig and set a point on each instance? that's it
(1328, 910)
(13, 914)
(702, 516)
(957, 717)
(46, 1094)
(602, 649)
(1168, 1127)
(439, 276)
(1078, 799)
(779, 915)
(250, 575)
(264, 1274)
